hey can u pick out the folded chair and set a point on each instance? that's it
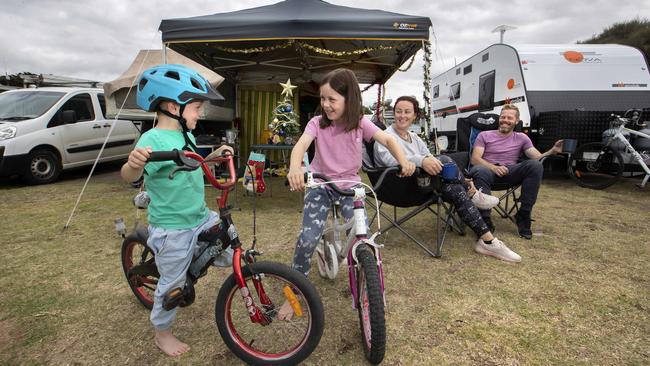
(420, 192)
(467, 130)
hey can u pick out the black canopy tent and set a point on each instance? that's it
(301, 39)
(298, 39)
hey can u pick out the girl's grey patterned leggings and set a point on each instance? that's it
(318, 202)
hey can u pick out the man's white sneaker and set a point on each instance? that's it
(484, 201)
(497, 250)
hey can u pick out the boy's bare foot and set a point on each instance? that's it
(169, 344)
(286, 311)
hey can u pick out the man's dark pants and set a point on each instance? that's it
(528, 173)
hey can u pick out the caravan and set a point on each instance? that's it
(543, 80)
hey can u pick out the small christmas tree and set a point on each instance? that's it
(285, 127)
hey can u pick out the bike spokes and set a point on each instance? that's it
(140, 270)
(274, 336)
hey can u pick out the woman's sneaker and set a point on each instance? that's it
(484, 201)
(497, 250)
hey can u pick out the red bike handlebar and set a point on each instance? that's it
(187, 161)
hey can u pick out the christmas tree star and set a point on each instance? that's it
(287, 88)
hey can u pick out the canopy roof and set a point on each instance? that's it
(301, 39)
(149, 58)
(119, 94)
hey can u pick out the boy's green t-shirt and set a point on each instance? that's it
(177, 203)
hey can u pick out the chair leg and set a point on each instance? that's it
(508, 205)
(397, 222)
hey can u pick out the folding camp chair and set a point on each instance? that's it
(411, 192)
(467, 130)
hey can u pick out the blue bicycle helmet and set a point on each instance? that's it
(177, 83)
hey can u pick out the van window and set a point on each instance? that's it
(82, 107)
(436, 91)
(467, 69)
(102, 104)
(486, 92)
(454, 92)
(23, 105)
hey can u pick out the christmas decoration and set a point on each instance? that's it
(285, 127)
(315, 49)
(427, 91)
(254, 174)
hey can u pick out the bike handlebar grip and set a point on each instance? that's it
(164, 155)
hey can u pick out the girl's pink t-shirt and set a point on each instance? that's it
(338, 153)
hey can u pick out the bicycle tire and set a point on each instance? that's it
(243, 337)
(134, 253)
(596, 166)
(371, 306)
(326, 256)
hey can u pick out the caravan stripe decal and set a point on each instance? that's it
(450, 110)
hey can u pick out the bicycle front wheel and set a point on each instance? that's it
(371, 306)
(596, 166)
(280, 342)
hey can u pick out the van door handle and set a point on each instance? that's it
(107, 125)
(97, 126)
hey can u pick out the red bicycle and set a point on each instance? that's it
(249, 327)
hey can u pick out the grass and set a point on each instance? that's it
(581, 296)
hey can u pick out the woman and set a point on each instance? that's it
(406, 112)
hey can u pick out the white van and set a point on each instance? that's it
(46, 130)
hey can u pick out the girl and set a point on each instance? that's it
(406, 111)
(338, 134)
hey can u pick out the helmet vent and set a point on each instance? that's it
(196, 84)
(172, 75)
(143, 82)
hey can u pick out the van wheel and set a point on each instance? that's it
(44, 167)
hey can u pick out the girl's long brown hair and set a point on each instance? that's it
(344, 82)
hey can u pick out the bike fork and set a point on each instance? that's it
(256, 315)
(353, 269)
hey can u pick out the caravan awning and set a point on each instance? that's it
(301, 39)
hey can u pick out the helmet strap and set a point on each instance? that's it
(189, 145)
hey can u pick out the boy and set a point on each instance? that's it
(177, 212)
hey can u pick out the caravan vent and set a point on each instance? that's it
(485, 57)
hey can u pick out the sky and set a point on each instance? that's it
(98, 39)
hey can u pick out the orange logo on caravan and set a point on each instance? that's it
(511, 83)
(573, 57)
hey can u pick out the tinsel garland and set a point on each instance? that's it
(319, 50)
(409, 65)
(360, 51)
(426, 45)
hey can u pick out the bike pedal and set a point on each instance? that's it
(172, 299)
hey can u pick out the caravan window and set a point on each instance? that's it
(436, 91)
(458, 71)
(485, 57)
(467, 69)
(454, 92)
(486, 92)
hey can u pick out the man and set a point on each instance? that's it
(495, 160)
